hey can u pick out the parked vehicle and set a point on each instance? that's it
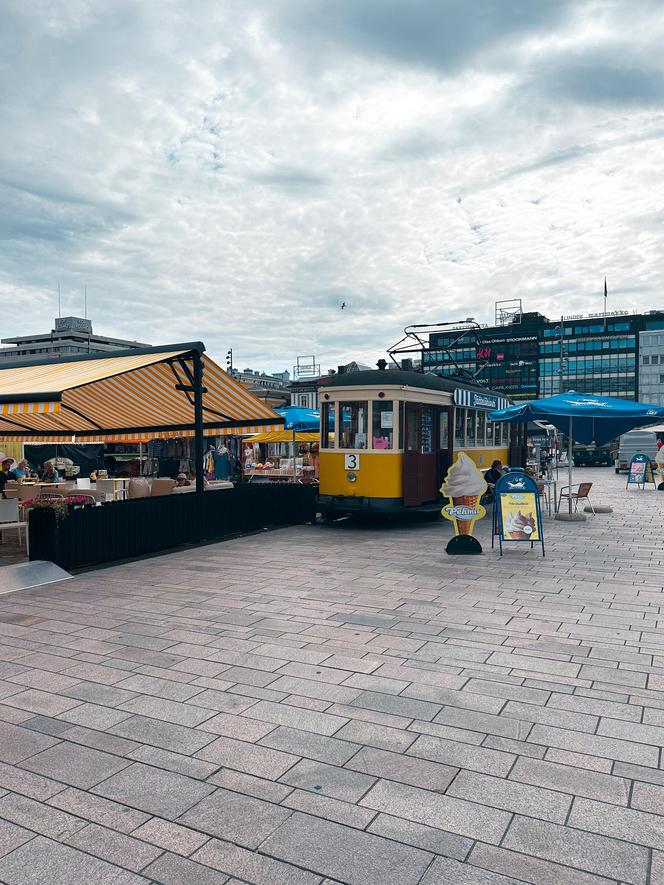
(593, 456)
(636, 442)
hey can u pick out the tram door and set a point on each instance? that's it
(420, 456)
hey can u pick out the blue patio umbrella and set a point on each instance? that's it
(584, 417)
(300, 419)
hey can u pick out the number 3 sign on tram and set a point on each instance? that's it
(351, 462)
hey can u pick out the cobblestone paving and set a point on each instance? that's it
(344, 705)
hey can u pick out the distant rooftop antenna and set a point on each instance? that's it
(509, 312)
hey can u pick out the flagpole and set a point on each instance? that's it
(605, 294)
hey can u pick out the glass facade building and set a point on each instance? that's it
(537, 357)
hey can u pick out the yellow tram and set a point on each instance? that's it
(395, 434)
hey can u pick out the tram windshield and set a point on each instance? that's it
(382, 433)
(353, 424)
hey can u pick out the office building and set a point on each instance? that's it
(651, 367)
(532, 356)
(70, 335)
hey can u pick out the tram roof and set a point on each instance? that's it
(405, 378)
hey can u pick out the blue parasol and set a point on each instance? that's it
(300, 419)
(585, 418)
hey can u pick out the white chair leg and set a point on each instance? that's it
(591, 506)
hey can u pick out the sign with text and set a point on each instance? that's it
(516, 514)
(463, 487)
(640, 471)
(351, 462)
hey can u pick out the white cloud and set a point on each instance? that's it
(233, 171)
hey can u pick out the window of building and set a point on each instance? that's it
(654, 360)
(382, 422)
(661, 379)
(353, 425)
(646, 360)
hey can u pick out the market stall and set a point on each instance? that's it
(281, 456)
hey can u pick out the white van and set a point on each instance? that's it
(636, 442)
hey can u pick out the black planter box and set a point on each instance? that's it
(125, 529)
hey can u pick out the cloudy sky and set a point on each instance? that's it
(235, 170)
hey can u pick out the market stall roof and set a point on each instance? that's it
(139, 395)
(284, 436)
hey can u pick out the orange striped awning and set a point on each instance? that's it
(135, 395)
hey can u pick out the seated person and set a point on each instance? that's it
(48, 473)
(5, 475)
(493, 474)
(182, 480)
(21, 470)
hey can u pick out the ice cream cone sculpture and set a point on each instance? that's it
(464, 485)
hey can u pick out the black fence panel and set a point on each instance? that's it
(124, 529)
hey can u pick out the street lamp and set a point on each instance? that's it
(229, 362)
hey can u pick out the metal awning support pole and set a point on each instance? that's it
(569, 464)
(198, 421)
(294, 469)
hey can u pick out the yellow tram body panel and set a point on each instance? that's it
(380, 475)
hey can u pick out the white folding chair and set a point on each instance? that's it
(9, 518)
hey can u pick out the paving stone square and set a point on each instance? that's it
(345, 704)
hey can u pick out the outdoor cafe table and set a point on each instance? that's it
(550, 485)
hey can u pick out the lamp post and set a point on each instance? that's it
(229, 363)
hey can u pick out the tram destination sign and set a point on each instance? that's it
(476, 400)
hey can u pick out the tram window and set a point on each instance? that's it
(444, 430)
(489, 432)
(427, 430)
(481, 427)
(459, 428)
(382, 424)
(470, 427)
(412, 430)
(327, 422)
(353, 425)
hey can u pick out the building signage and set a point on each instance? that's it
(516, 513)
(596, 316)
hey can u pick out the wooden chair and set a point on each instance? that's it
(581, 494)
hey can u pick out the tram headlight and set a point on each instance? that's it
(351, 477)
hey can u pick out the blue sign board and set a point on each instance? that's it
(517, 515)
(640, 471)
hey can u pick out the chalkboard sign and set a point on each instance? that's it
(640, 472)
(517, 515)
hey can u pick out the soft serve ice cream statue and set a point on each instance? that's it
(464, 485)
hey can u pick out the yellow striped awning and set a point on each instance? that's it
(284, 436)
(125, 395)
